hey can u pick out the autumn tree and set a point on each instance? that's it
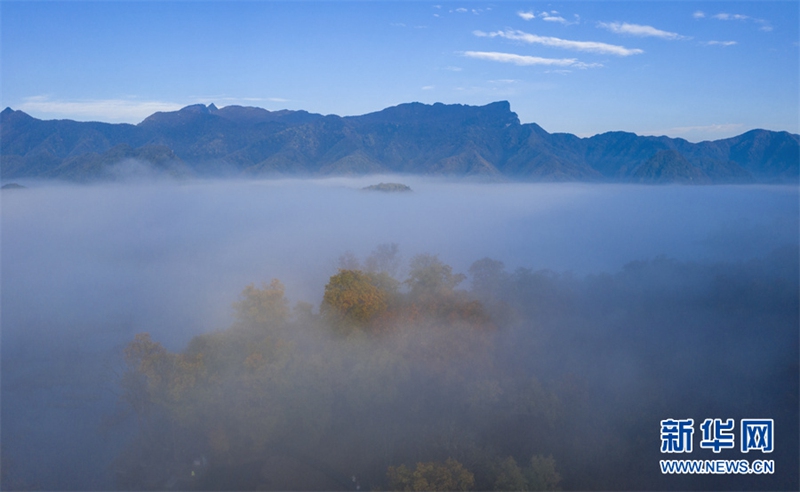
(353, 298)
(264, 306)
(433, 295)
(433, 475)
(541, 473)
(510, 476)
(428, 276)
(385, 258)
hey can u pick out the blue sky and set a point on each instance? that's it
(696, 70)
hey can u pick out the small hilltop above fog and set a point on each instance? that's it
(388, 188)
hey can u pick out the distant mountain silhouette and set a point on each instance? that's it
(414, 138)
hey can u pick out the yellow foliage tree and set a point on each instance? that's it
(264, 306)
(353, 298)
(542, 474)
(432, 475)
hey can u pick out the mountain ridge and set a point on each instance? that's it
(410, 138)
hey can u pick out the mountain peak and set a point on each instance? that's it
(452, 139)
(195, 108)
(494, 114)
(9, 114)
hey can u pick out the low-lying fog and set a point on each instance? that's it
(85, 268)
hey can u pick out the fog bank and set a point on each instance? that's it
(84, 268)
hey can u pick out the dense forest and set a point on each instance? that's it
(527, 380)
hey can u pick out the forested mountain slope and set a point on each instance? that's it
(414, 138)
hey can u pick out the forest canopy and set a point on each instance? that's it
(418, 384)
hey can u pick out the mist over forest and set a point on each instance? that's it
(309, 335)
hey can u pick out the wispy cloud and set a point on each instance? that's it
(523, 60)
(639, 30)
(130, 110)
(724, 16)
(699, 14)
(726, 127)
(764, 25)
(428, 87)
(225, 100)
(719, 43)
(113, 110)
(587, 46)
(703, 132)
(552, 16)
(555, 18)
(453, 69)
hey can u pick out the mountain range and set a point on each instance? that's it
(453, 140)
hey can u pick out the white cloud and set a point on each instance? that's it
(113, 110)
(223, 100)
(554, 18)
(453, 69)
(703, 132)
(724, 16)
(551, 16)
(588, 46)
(764, 25)
(523, 60)
(460, 10)
(719, 43)
(428, 87)
(638, 30)
(129, 110)
(699, 14)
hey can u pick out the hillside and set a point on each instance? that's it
(414, 138)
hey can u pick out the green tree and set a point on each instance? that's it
(429, 277)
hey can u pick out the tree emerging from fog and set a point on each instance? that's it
(389, 375)
(417, 384)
